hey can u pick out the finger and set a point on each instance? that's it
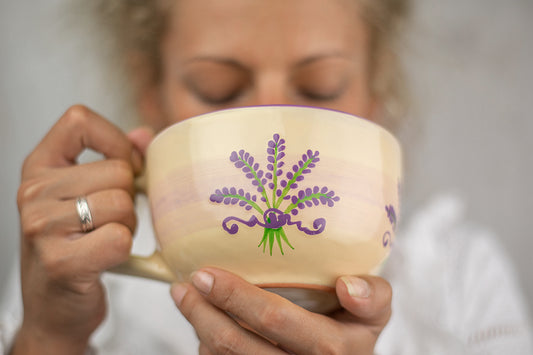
(86, 256)
(80, 128)
(141, 138)
(272, 316)
(74, 181)
(367, 298)
(219, 333)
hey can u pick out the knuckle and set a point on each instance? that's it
(122, 172)
(225, 341)
(34, 222)
(123, 239)
(54, 264)
(271, 317)
(76, 115)
(29, 190)
(120, 200)
(325, 346)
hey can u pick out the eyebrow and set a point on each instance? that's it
(238, 65)
(316, 57)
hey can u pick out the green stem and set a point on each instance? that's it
(263, 192)
(307, 198)
(292, 181)
(250, 202)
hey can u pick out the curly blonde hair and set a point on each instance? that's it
(136, 28)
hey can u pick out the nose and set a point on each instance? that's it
(271, 90)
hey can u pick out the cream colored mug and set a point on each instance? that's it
(289, 198)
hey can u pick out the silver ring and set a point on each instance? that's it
(86, 219)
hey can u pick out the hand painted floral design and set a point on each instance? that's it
(274, 188)
(391, 215)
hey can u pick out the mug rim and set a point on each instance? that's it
(277, 106)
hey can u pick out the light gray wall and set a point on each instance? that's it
(470, 64)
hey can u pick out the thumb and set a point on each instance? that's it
(367, 298)
(141, 138)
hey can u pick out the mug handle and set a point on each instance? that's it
(151, 267)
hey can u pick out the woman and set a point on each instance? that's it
(196, 56)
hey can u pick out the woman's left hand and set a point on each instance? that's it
(232, 316)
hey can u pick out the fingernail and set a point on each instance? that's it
(357, 287)
(203, 281)
(178, 291)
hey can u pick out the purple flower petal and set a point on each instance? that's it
(251, 161)
(239, 164)
(295, 168)
(263, 199)
(283, 183)
(246, 156)
(294, 186)
(315, 201)
(278, 193)
(268, 175)
(336, 198)
(260, 189)
(233, 157)
(300, 163)
(324, 190)
(323, 199)
(308, 191)
(271, 144)
(280, 156)
(255, 182)
(270, 167)
(306, 171)
(234, 200)
(218, 192)
(276, 137)
(300, 178)
(294, 199)
(289, 175)
(271, 151)
(308, 203)
(225, 190)
(227, 200)
(301, 194)
(280, 164)
(271, 185)
(215, 198)
(247, 196)
(246, 169)
(286, 197)
(254, 198)
(248, 207)
(294, 211)
(330, 203)
(233, 191)
(281, 148)
(271, 159)
(316, 160)
(282, 141)
(331, 193)
(279, 172)
(309, 153)
(242, 203)
(256, 166)
(264, 181)
(311, 165)
(316, 189)
(301, 206)
(304, 157)
(241, 153)
(241, 192)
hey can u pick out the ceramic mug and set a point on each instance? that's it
(289, 198)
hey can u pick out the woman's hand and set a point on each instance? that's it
(265, 323)
(63, 297)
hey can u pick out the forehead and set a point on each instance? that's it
(258, 28)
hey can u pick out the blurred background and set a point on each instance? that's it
(471, 73)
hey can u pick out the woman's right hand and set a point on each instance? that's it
(64, 300)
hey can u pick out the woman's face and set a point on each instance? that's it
(220, 54)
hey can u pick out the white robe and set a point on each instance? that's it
(454, 292)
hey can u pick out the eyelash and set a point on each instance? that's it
(321, 97)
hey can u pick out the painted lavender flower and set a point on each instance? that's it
(273, 189)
